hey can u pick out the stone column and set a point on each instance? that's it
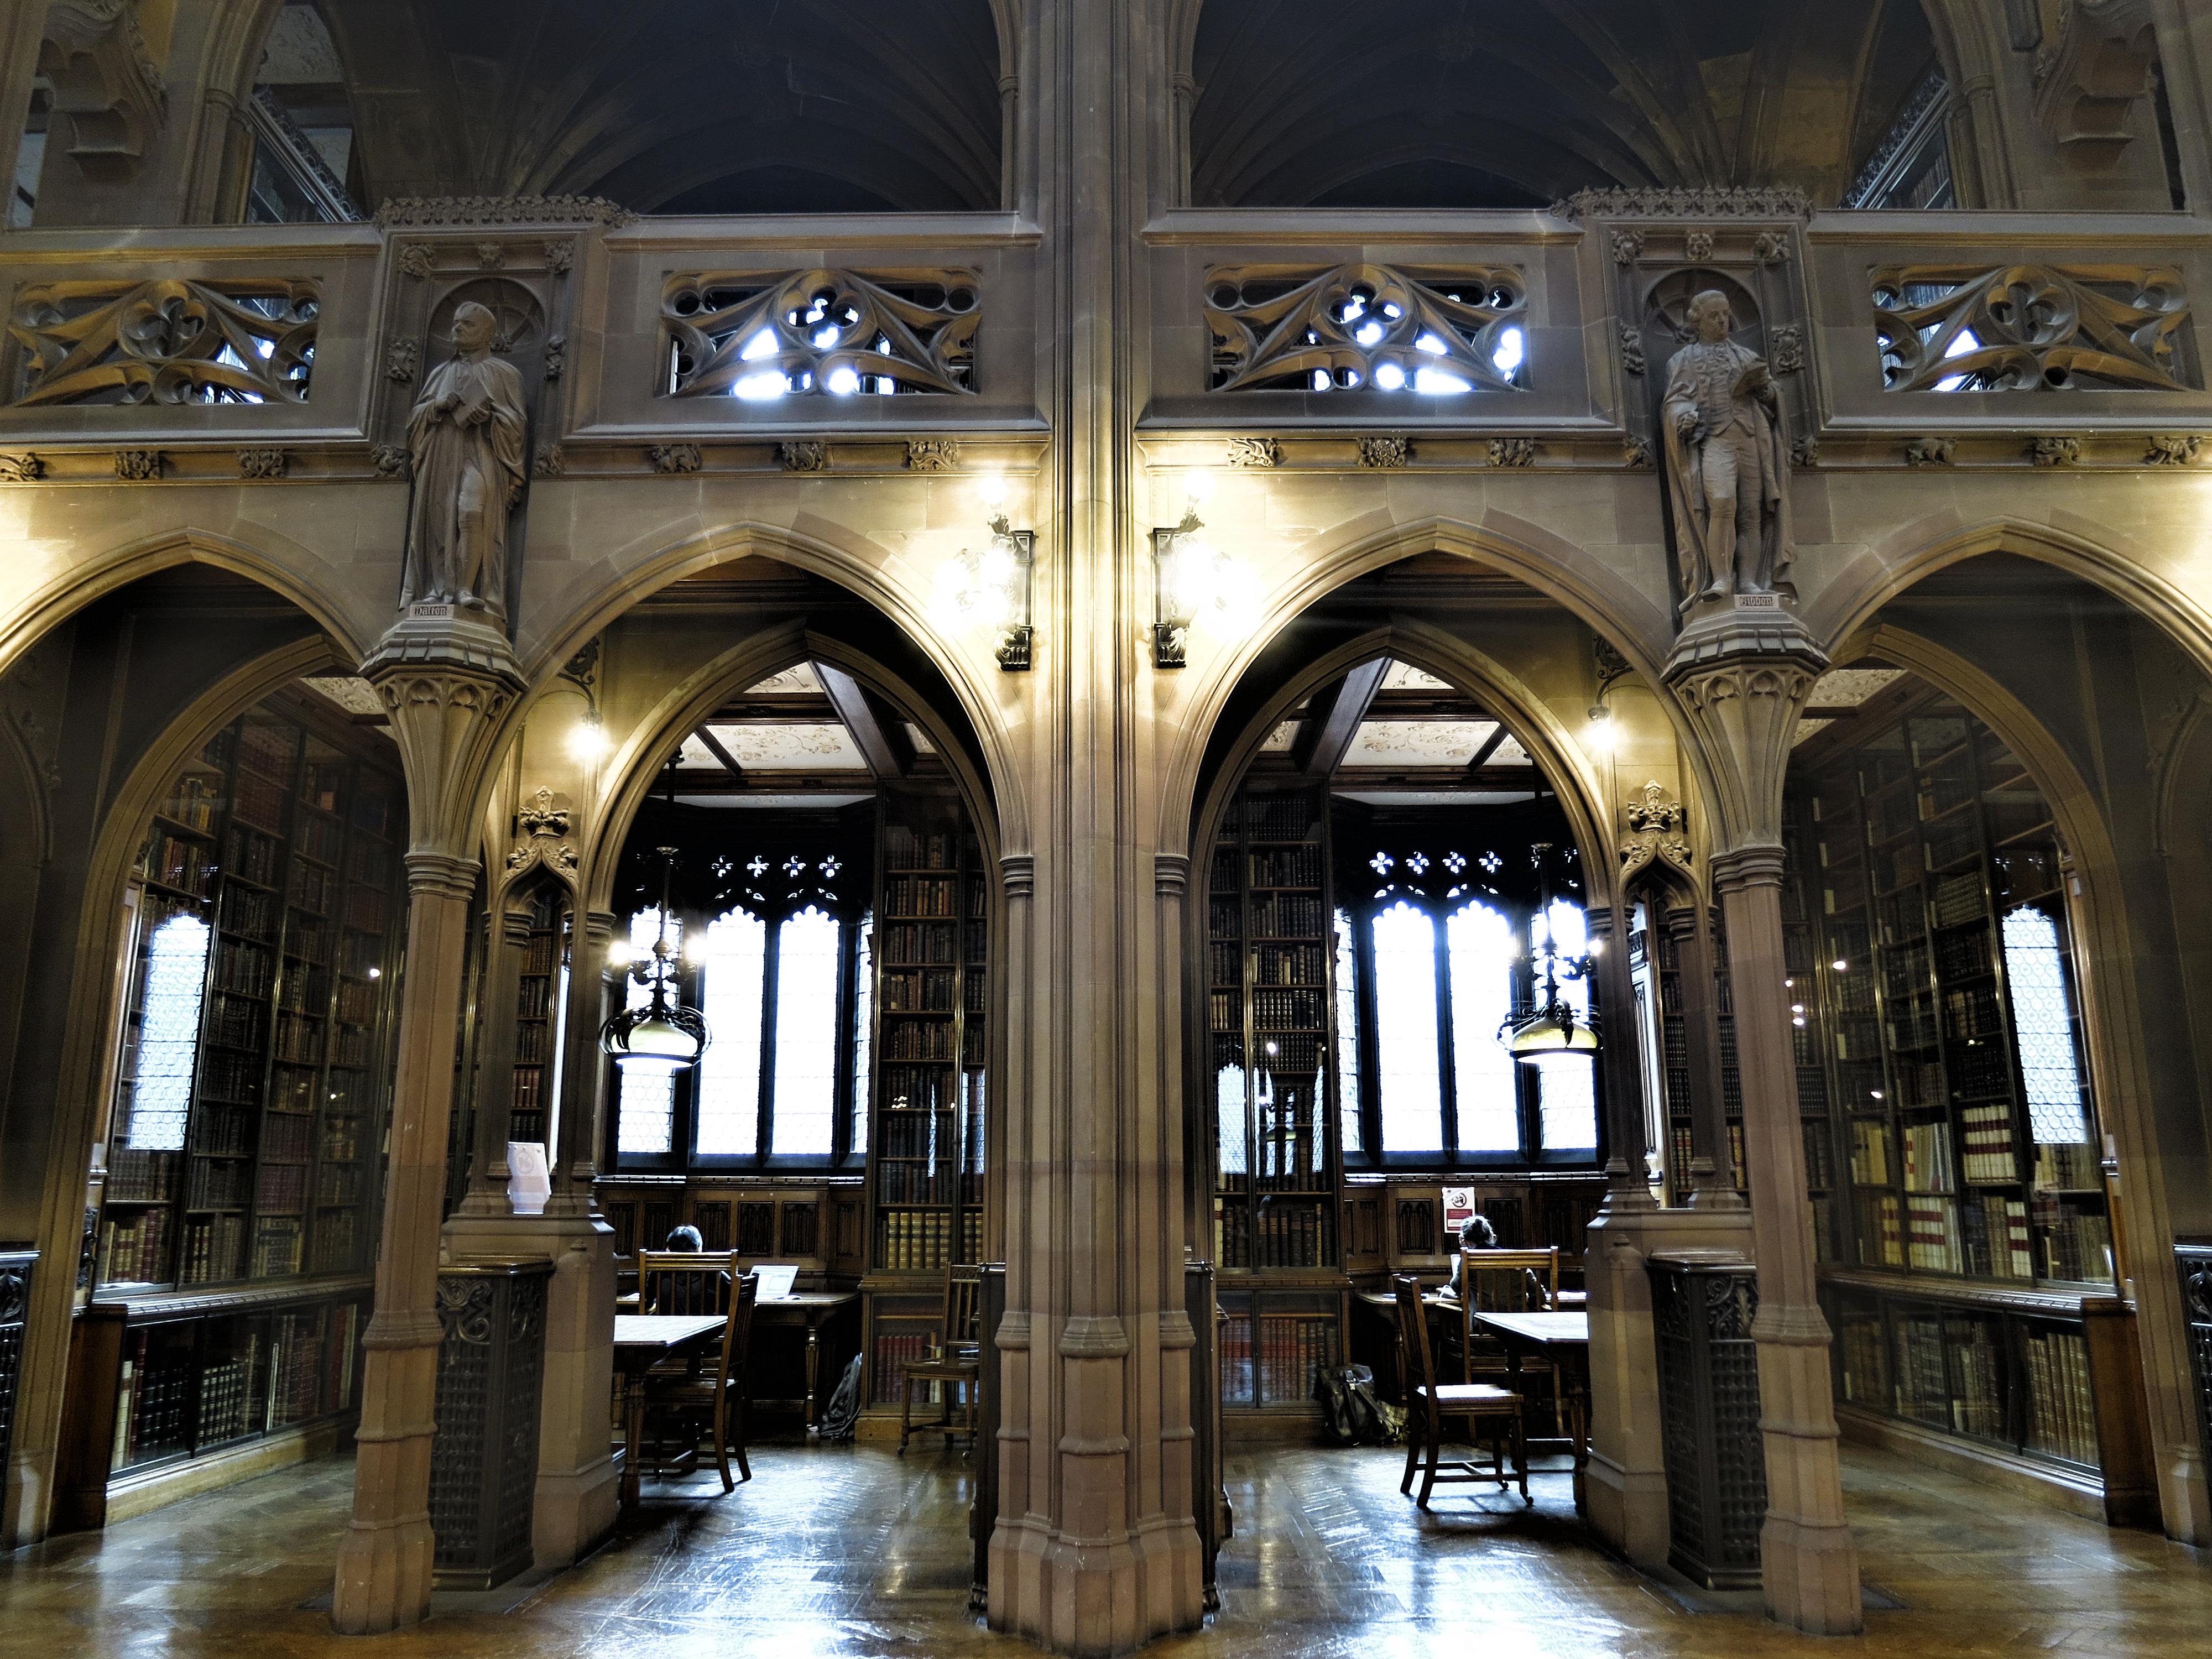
(447, 688)
(1713, 1178)
(2185, 59)
(493, 1088)
(1095, 1550)
(1743, 675)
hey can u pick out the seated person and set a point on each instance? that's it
(687, 1240)
(1480, 1235)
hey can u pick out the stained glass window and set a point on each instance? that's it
(169, 1033)
(1408, 1077)
(805, 1034)
(730, 993)
(2043, 1028)
(1481, 941)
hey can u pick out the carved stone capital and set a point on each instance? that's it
(1742, 677)
(1093, 1336)
(441, 875)
(1171, 874)
(447, 683)
(1019, 872)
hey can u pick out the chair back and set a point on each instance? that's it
(964, 1305)
(1414, 1335)
(738, 1330)
(1509, 1281)
(685, 1281)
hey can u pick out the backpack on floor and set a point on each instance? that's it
(1351, 1412)
(843, 1411)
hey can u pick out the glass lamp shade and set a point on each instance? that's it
(1552, 1038)
(656, 1040)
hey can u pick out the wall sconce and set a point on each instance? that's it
(1193, 578)
(589, 741)
(996, 586)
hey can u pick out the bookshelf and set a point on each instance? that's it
(536, 1023)
(929, 951)
(254, 1070)
(1961, 1208)
(1270, 951)
(1664, 952)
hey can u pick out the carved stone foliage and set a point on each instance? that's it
(21, 468)
(1254, 452)
(263, 463)
(1636, 454)
(1385, 453)
(1661, 202)
(549, 462)
(2054, 451)
(1657, 834)
(427, 211)
(2088, 79)
(105, 82)
(803, 455)
(401, 359)
(167, 341)
(931, 454)
(137, 466)
(1930, 452)
(768, 334)
(1631, 350)
(2172, 449)
(675, 458)
(1441, 332)
(390, 460)
(2023, 328)
(1787, 343)
(1512, 451)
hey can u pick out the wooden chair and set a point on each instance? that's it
(723, 1395)
(955, 1358)
(1428, 1402)
(685, 1281)
(1506, 1281)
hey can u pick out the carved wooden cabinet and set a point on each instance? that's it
(483, 1462)
(1702, 1306)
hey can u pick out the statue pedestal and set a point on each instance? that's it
(1742, 625)
(444, 636)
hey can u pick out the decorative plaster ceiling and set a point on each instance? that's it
(797, 680)
(753, 802)
(825, 748)
(1280, 739)
(1404, 677)
(1847, 687)
(1438, 797)
(1418, 742)
(355, 696)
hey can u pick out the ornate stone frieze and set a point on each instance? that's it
(21, 468)
(416, 261)
(2025, 328)
(2172, 449)
(105, 82)
(1930, 451)
(490, 255)
(1805, 451)
(560, 257)
(166, 341)
(1631, 350)
(1662, 203)
(1628, 246)
(673, 459)
(839, 333)
(1385, 453)
(1254, 452)
(556, 357)
(402, 358)
(390, 460)
(425, 212)
(1769, 247)
(1366, 326)
(1699, 244)
(803, 455)
(1512, 451)
(1636, 453)
(137, 466)
(263, 462)
(1785, 344)
(1656, 833)
(549, 462)
(931, 454)
(2054, 451)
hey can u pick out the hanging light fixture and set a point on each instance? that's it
(661, 1036)
(1549, 1031)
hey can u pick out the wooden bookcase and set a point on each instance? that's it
(928, 1071)
(1663, 953)
(278, 850)
(1957, 1187)
(1271, 952)
(536, 1023)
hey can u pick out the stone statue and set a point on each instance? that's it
(467, 433)
(1727, 461)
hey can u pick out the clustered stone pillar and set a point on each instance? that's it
(1743, 675)
(445, 689)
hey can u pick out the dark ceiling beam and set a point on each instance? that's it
(1489, 748)
(1333, 721)
(883, 743)
(714, 748)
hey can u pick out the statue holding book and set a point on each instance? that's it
(1727, 461)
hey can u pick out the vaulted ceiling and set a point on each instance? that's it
(678, 105)
(1496, 103)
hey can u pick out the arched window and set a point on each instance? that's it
(807, 948)
(169, 1033)
(732, 984)
(2043, 1028)
(1408, 1073)
(1481, 942)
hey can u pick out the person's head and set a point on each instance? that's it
(686, 1238)
(1477, 1234)
(473, 326)
(1712, 320)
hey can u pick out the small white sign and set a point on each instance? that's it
(1459, 1208)
(529, 1184)
(430, 610)
(1758, 602)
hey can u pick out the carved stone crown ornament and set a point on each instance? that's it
(542, 830)
(1655, 833)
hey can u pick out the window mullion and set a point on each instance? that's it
(1446, 1077)
(771, 977)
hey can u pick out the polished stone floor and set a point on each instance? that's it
(853, 1551)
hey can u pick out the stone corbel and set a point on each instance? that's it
(2088, 80)
(542, 837)
(1742, 677)
(105, 82)
(1658, 834)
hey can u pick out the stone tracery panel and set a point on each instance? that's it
(1439, 332)
(2023, 328)
(167, 341)
(770, 334)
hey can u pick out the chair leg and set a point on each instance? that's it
(745, 1413)
(721, 1439)
(1428, 1464)
(1521, 1455)
(1413, 1435)
(906, 1412)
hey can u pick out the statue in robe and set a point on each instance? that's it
(1727, 461)
(467, 434)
